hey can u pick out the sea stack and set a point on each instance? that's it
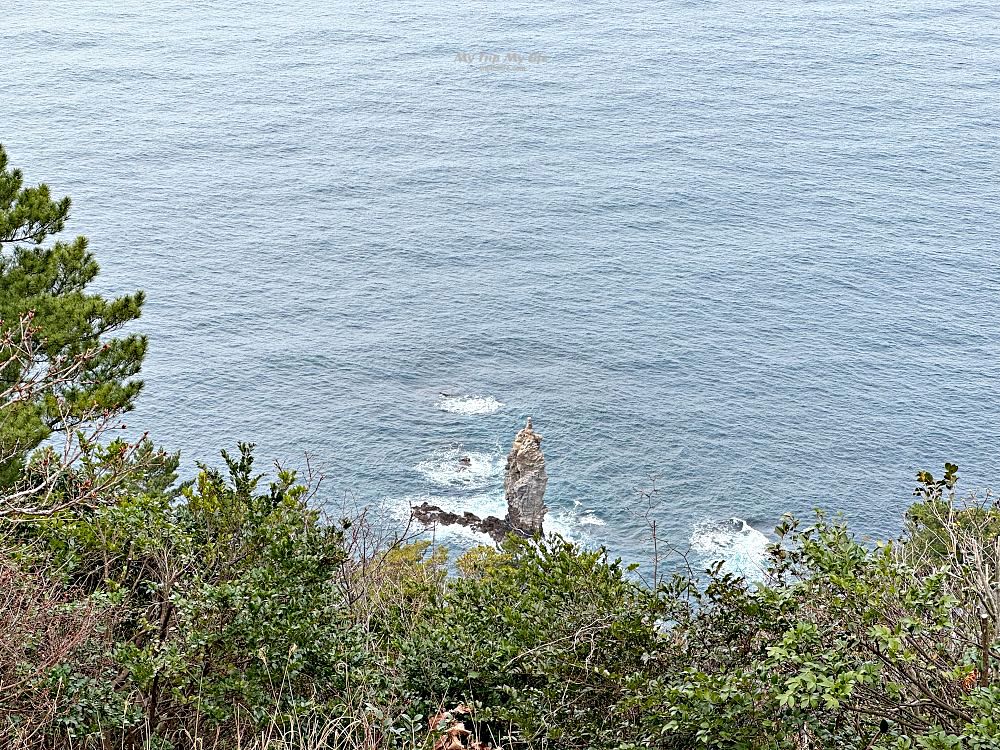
(524, 482)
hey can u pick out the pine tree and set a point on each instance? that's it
(59, 367)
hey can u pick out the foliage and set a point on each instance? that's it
(225, 609)
(59, 369)
(545, 638)
(225, 601)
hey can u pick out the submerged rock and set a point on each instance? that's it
(524, 482)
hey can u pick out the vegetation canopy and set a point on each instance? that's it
(60, 370)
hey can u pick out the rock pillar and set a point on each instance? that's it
(524, 482)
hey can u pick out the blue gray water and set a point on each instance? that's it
(749, 247)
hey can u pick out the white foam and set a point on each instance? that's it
(469, 405)
(734, 542)
(444, 469)
(567, 524)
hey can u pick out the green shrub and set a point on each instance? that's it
(544, 637)
(221, 611)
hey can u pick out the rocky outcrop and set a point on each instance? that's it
(524, 482)
(430, 515)
(524, 488)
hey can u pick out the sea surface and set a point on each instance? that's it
(744, 252)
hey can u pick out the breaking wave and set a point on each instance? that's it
(448, 469)
(589, 519)
(469, 405)
(736, 543)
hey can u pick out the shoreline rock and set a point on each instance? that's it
(524, 489)
(524, 482)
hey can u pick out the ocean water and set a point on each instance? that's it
(744, 251)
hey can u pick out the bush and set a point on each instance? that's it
(544, 637)
(226, 608)
(221, 615)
